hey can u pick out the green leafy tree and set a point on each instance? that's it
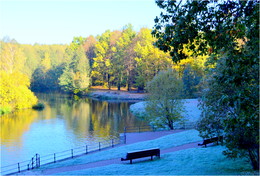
(164, 105)
(45, 81)
(192, 81)
(45, 77)
(76, 75)
(228, 31)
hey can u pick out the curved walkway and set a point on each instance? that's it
(111, 161)
(130, 138)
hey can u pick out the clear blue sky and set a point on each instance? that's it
(58, 21)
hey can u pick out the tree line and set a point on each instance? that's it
(120, 58)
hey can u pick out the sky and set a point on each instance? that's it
(58, 21)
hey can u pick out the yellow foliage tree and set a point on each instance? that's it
(12, 57)
(14, 91)
(46, 62)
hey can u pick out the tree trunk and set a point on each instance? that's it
(170, 125)
(119, 83)
(254, 157)
(108, 82)
(128, 81)
(170, 122)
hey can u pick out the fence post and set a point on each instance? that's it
(32, 163)
(99, 146)
(112, 142)
(139, 129)
(86, 149)
(37, 160)
(125, 138)
(71, 153)
(19, 167)
(54, 155)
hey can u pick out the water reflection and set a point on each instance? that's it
(64, 123)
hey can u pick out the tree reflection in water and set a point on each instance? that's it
(65, 123)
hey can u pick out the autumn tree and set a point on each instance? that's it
(228, 31)
(149, 59)
(12, 57)
(102, 68)
(14, 91)
(14, 83)
(124, 57)
(89, 47)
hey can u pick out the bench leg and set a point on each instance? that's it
(152, 157)
(131, 161)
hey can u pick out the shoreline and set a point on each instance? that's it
(115, 95)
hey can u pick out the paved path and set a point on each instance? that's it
(111, 161)
(131, 138)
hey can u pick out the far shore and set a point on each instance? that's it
(113, 94)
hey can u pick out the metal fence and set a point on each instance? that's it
(145, 128)
(38, 160)
(185, 125)
(132, 129)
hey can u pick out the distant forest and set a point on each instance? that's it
(121, 58)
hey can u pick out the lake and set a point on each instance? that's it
(65, 123)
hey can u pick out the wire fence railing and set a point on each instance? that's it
(146, 128)
(132, 129)
(38, 160)
(185, 125)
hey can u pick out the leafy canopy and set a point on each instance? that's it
(228, 31)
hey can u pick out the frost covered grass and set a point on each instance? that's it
(176, 139)
(195, 161)
(192, 113)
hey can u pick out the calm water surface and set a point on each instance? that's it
(65, 123)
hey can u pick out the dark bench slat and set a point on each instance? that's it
(211, 140)
(140, 154)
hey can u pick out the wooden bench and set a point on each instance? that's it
(211, 140)
(141, 154)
